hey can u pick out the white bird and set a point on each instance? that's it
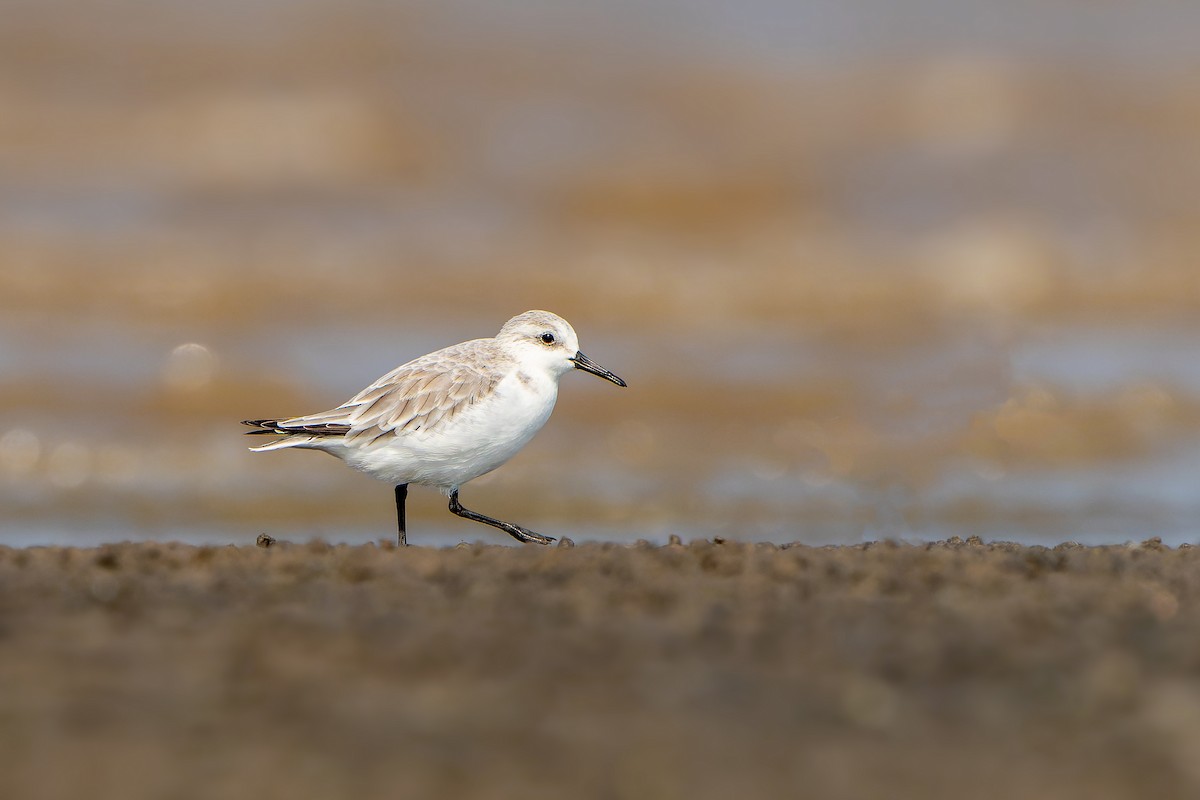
(449, 416)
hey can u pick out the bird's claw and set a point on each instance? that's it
(530, 537)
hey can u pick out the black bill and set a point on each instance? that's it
(587, 365)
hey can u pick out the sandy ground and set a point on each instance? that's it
(703, 670)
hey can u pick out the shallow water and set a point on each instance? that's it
(938, 285)
(767, 479)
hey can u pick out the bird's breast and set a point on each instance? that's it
(481, 437)
(520, 405)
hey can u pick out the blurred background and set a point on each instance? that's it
(872, 269)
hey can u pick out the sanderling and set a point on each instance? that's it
(449, 416)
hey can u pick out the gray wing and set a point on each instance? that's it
(415, 396)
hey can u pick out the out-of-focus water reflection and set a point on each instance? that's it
(137, 437)
(939, 282)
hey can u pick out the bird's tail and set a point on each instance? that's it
(271, 427)
(295, 432)
(263, 426)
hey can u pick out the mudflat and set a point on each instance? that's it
(698, 670)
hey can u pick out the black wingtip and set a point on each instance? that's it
(272, 427)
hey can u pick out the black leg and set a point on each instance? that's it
(401, 495)
(515, 531)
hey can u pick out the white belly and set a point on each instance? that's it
(476, 441)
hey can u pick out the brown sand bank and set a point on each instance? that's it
(697, 671)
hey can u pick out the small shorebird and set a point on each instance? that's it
(449, 416)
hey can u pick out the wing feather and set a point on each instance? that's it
(418, 395)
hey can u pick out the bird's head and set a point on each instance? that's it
(550, 341)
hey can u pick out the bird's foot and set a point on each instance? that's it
(527, 536)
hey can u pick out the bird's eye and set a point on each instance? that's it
(548, 338)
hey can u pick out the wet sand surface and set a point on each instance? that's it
(697, 670)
